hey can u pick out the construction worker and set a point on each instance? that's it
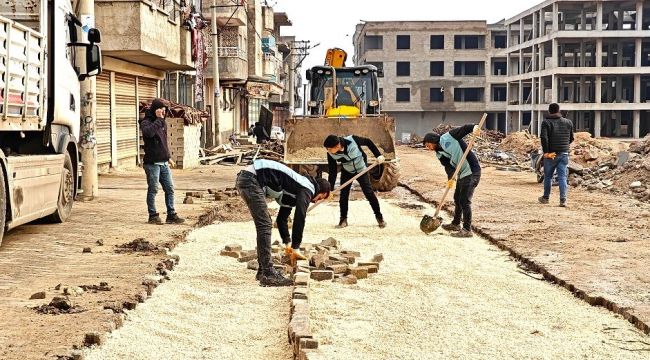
(269, 179)
(556, 137)
(449, 150)
(347, 151)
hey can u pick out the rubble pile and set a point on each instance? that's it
(237, 154)
(327, 262)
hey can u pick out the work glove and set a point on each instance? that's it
(450, 183)
(476, 131)
(381, 159)
(551, 155)
(294, 254)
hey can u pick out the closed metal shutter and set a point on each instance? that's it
(147, 89)
(103, 120)
(126, 116)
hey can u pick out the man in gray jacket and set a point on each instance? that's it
(556, 137)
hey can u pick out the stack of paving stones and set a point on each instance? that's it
(211, 195)
(326, 263)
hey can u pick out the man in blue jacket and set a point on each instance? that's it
(449, 150)
(269, 179)
(156, 162)
(347, 151)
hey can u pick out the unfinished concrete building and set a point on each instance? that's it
(436, 72)
(591, 57)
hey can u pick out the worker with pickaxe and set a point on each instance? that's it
(449, 150)
(347, 151)
(269, 179)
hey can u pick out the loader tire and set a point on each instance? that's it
(386, 178)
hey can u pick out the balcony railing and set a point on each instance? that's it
(231, 52)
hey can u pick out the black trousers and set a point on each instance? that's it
(463, 200)
(253, 194)
(366, 187)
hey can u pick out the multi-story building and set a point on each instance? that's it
(436, 72)
(591, 57)
(141, 41)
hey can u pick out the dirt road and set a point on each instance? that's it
(36, 258)
(436, 297)
(600, 244)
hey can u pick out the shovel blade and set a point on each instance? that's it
(430, 224)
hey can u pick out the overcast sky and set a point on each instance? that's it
(332, 22)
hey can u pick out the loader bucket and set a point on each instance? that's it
(305, 136)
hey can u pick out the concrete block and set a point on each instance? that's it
(306, 344)
(93, 338)
(338, 269)
(347, 280)
(359, 272)
(233, 247)
(247, 256)
(355, 254)
(378, 258)
(301, 279)
(299, 328)
(368, 265)
(232, 254)
(330, 242)
(300, 292)
(299, 307)
(322, 275)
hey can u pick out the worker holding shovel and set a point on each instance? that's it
(449, 150)
(348, 152)
(269, 179)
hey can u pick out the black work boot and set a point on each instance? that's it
(174, 219)
(342, 224)
(272, 278)
(155, 219)
(451, 227)
(258, 276)
(380, 221)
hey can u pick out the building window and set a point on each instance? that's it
(500, 68)
(437, 42)
(498, 93)
(374, 42)
(403, 42)
(436, 95)
(468, 94)
(469, 68)
(469, 42)
(379, 66)
(403, 95)
(500, 42)
(403, 68)
(437, 68)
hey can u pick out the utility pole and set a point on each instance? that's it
(215, 136)
(292, 83)
(87, 141)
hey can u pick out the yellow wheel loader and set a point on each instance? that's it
(342, 101)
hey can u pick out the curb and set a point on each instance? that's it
(301, 338)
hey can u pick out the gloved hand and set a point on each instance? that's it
(381, 159)
(551, 155)
(476, 131)
(294, 254)
(451, 183)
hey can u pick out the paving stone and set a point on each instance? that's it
(330, 242)
(247, 256)
(355, 254)
(93, 338)
(233, 247)
(232, 254)
(301, 279)
(188, 201)
(38, 296)
(373, 267)
(322, 275)
(300, 292)
(347, 280)
(359, 272)
(378, 258)
(253, 265)
(308, 344)
(338, 269)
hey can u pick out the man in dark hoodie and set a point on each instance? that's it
(556, 137)
(269, 179)
(449, 150)
(260, 133)
(156, 162)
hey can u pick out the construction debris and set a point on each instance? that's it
(242, 154)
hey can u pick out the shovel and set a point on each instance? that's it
(430, 224)
(344, 185)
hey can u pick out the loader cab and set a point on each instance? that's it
(351, 91)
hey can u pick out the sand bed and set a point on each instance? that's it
(437, 297)
(211, 309)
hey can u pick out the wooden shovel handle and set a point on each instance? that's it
(344, 185)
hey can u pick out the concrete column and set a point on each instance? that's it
(542, 91)
(597, 123)
(540, 52)
(638, 47)
(535, 26)
(521, 61)
(533, 91)
(636, 123)
(554, 89)
(599, 51)
(599, 16)
(542, 23)
(533, 58)
(583, 55)
(521, 93)
(583, 19)
(520, 119)
(639, 16)
(554, 54)
(522, 39)
(617, 124)
(556, 25)
(637, 88)
(599, 89)
(509, 36)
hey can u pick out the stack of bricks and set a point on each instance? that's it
(184, 142)
(193, 197)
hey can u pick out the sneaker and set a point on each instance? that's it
(174, 219)
(451, 227)
(155, 220)
(380, 221)
(463, 233)
(342, 224)
(543, 200)
(271, 278)
(563, 203)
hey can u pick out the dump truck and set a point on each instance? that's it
(342, 101)
(41, 44)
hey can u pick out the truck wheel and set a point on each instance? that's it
(66, 194)
(3, 204)
(385, 178)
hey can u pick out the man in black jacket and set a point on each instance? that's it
(449, 150)
(156, 162)
(269, 179)
(260, 133)
(556, 137)
(347, 151)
